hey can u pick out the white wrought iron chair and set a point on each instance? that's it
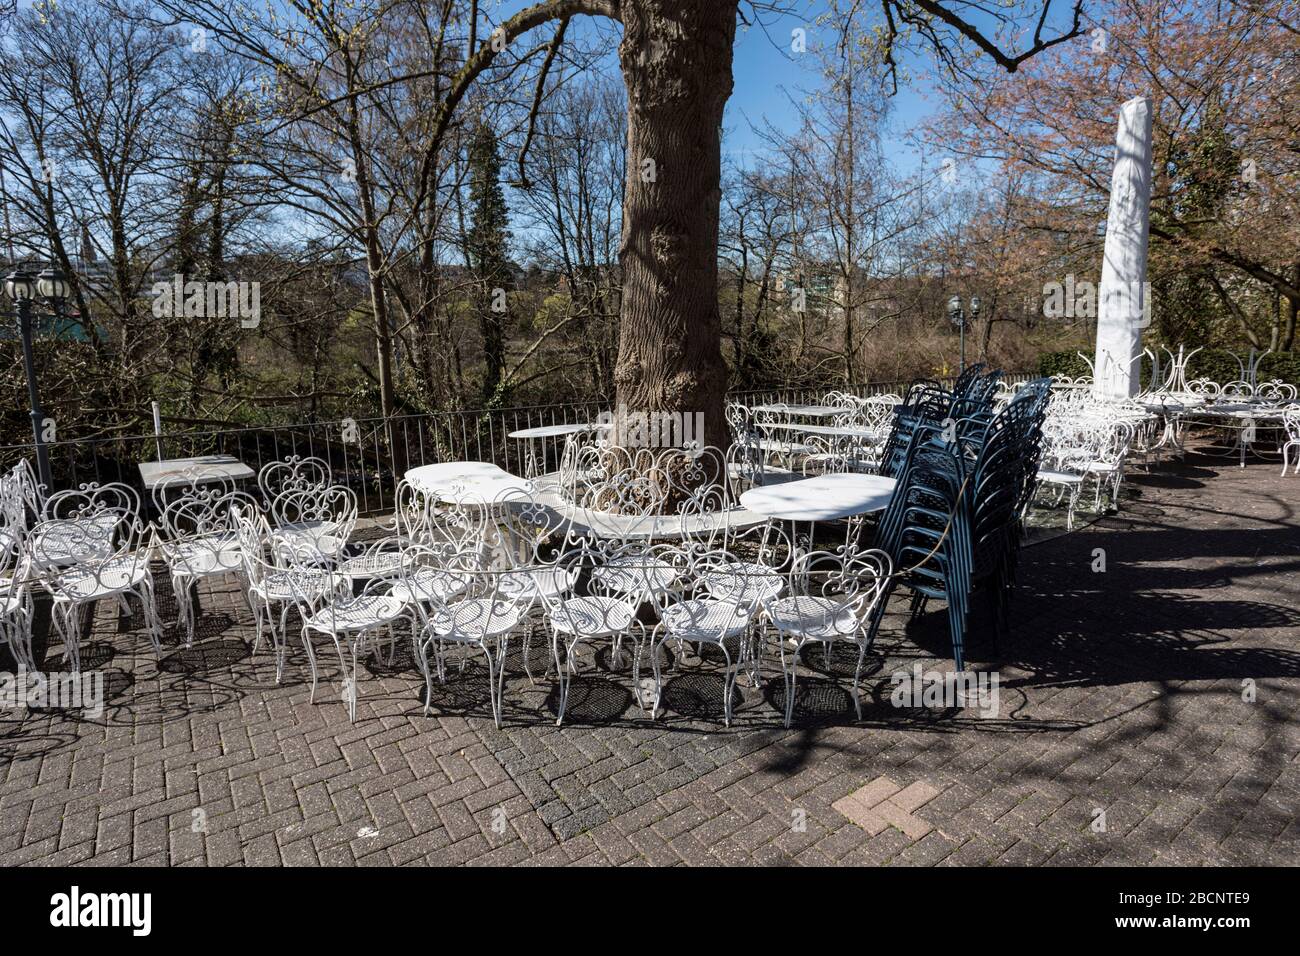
(17, 608)
(279, 577)
(353, 615)
(702, 618)
(91, 553)
(200, 540)
(80, 522)
(832, 598)
(608, 609)
(477, 616)
(319, 518)
(533, 537)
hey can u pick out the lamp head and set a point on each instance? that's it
(20, 284)
(975, 306)
(51, 285)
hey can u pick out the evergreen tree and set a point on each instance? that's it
(488, 242)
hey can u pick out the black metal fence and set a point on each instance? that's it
(369, 454)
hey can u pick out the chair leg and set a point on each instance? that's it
(423, 656)
(857, 677)
(492, 685)
(790, 674)
(561, 675)
(728, 685)
(258, 607)
(278, 638)
(956, 628)
(354, 690)
(150, 608)
(654, 662)
(311, 661)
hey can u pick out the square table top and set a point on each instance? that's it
(200, 469)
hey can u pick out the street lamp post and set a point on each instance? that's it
(22, 288)
(957, 316)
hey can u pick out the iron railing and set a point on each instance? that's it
(368, 454)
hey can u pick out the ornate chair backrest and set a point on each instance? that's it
(852, 580)
(333, 508)
(701, 513)
(191, 483)
(461, 518)
(1237, 391)
(208, 511)
(294, 473)
(412, 510)
(738, 418)
(744, 468)
(531, 531)
(1291, 422)
(73, 503)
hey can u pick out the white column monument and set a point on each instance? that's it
(1123, 309)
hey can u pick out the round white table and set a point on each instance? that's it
(539, 434)
(823, 498)
(552, 431)
(466, 482)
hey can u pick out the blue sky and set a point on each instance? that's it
(762, 71)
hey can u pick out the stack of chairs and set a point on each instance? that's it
(927, 405)
(953, 525)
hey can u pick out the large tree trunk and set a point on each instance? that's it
(676, 63)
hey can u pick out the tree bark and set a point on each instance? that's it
(676, 64)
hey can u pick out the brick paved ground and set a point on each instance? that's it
(1121, 694)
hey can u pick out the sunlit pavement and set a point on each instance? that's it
(1144, 714)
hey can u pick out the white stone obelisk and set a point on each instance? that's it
(1123, 310)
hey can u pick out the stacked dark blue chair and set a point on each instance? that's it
(928, 404)
(953, 525)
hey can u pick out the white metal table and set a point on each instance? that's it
(539, 434)
(809, 411)
(823, 498)
(465, 482)
(1244, 420)
(472, 484)
(200, 470)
